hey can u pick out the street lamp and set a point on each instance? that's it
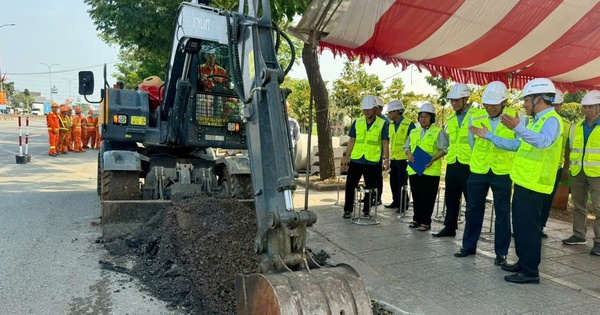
(70, 97)
(50, 75)
(3, 25)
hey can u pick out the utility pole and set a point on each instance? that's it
(70, 96)
(50, 76)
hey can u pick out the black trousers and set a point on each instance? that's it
(527, 227)
(424, 191)
(380, 181)
(479, 185)
(399, 178)
(355, 171)
(550, 199)
(457, 175)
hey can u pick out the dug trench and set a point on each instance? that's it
(188, 254)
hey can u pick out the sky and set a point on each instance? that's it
(61, 32)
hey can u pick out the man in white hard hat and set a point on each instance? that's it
(424, 187)
(563, 165)
(533, 173)
(584, 142)
(379, 113)
(400, 128)
(368, 139)
(490, 167)
(458, 157)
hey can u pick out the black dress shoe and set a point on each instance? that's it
(464, 252)
(347, 215)
(511, 268)
(444, 232)
(521, 278)
(391, 206)
(500, 260)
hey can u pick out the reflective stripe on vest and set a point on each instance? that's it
(586, 156)
(459, 148)
(429, 145)
(63, 123)
(485, 154)
(368, 142)
(564, 136)
(532, 167)
(398, 139)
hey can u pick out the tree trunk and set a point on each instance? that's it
(321, 96)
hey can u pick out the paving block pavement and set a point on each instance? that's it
(412, 272)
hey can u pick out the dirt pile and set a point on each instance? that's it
(189, 254)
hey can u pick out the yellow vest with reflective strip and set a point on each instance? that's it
(368, 142)
(564, 136)
(398, 139)
(63, 122)
(485, 154)
(534, 168)
(429, 145)
(459, 148)
(588, 156)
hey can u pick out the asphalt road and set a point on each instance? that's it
(49, 224)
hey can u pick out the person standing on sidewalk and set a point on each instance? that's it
(533, 173)
(368, 138)
(585, 170)
(52, 121)
(400, 128)
(434, 141)
(458, 158)
(379, 113)
(490, 167)
(563, 165)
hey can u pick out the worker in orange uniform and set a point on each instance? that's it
(210, 74)
(70, 126)
(53, 127)
(90, 130)
(76, 130)
(63, 130)
(83, 125)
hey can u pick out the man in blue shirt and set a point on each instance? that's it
(533, 173)
(363, 153)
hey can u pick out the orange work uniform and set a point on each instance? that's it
(90, 131)
(70, 133)
(63, 135)
(53, 127)
(218, 71)
(77, 133)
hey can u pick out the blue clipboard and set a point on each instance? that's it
(422, 158)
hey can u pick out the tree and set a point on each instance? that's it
(442, 86)
(22, 100)
(571, 111)
(573, 97)
(353, 85)
(299, 100)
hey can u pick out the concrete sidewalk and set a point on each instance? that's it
(414, 273)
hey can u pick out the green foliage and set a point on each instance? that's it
(571, 111)
(9, 89)
(299, 100)
(354, 84)
(573, 97)
(22, 98)
(442, 86)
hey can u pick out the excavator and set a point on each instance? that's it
(222, 90)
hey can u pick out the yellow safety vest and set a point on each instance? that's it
(459, 148)
(485, 154)
(63, 122)
(564, 136)
(532, 167)
(398, 139)
(368, 142)
(429, 145)
(586, 156)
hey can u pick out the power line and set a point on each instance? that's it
(60, 71)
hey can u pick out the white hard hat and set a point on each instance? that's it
(539, 86)
(591, 98)
(369, 102)
(459, 90)
(379, 100)
(495, 93)
(395, 105)
(427, 108)
(558, 98)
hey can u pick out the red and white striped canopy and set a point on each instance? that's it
(470, 41)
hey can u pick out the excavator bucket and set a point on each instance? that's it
(328, 290)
